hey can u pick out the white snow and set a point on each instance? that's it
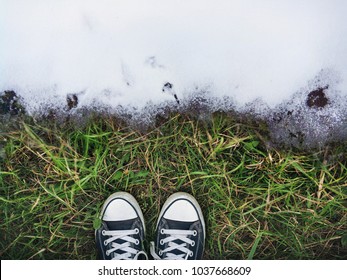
(122, 52)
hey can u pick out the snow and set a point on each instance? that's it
(122, 53)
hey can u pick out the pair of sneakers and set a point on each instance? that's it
(180, 230)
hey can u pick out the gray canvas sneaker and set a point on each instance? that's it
(180, 232)
(122, 231)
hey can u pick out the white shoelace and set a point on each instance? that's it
(125, 246)
(174, 234)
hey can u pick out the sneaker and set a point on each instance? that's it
(122, 232)
(180, 232)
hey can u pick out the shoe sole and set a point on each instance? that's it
(187, 196)
(129, 198)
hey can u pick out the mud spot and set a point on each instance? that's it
(72, 101)
(317, 98)
(9, 103)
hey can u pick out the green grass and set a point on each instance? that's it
(258, 203)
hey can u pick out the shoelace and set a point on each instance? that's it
(172, 236)
(125, 246)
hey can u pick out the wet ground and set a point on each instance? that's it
(314, 118)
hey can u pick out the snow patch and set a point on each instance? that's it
(279, 57)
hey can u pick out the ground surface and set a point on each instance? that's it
(258, 203)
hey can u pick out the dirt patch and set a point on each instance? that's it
(317, 98)
(72, 101)
(9, 103)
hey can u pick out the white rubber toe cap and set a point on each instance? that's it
(183, 207)
(181, 210)
(121, 206)
(119, 210)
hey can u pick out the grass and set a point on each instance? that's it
(258, 203)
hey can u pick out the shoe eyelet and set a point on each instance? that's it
(160, 253)
(193, 243)
(162, 231)
(191, 254)
(161, 242)
(107, 253)
(105, 242)
(137, 230)
(137, 242)
(103, 232)
(195, 233)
